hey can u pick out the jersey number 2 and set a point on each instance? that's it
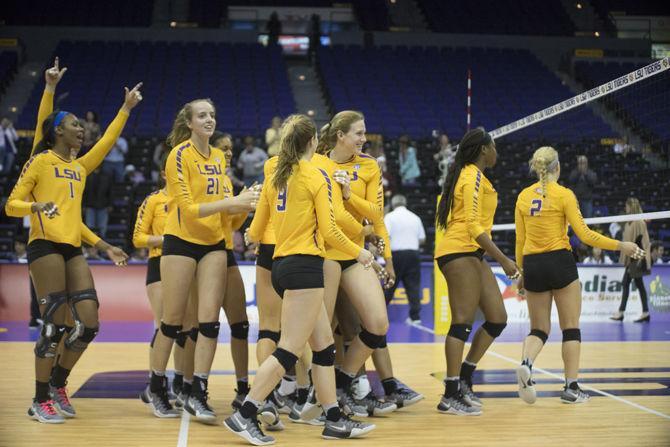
(281, 199)
(536, 206)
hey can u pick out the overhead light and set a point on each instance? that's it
(597, 34)
(13, 109)
(33, 73)
(579, 6)
(173, 24)
(311, 112)
(301, 77)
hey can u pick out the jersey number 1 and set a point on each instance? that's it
(536, 207)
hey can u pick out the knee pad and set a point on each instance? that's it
(47, 343)
(181, 339)
(371, 340)
(272, 335)
(193, 334)
(210, 330)
(325, 357)
(83, 295)
(170, 331)
(493, 329)
(384, 343)
(80, 343)
(460, 331)
(539, 334)
(240, 330)
(286, 359)
(572, 335)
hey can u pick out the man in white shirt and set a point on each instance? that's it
(406, 233)
(8, 139)
(656, 252)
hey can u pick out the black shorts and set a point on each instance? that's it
(346, 264)
(232, 262)
(42, 247)
(297, 272)
(172, 245)
(553, 270)
(153, 270)
(265, 254)
(444, 260)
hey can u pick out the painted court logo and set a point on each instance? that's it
(659, 295)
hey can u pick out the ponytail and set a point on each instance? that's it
(469, 150)
(180, 131)
(294, 137)
(49, 125)
(342, 121)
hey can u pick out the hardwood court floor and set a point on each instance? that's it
(627, 420)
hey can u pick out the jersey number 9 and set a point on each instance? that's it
(281, 199)
(536, 206)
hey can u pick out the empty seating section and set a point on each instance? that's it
(247, 82)
(644, 106)
(526, 17)
(127, 13)
(8, 66)
(416, 90)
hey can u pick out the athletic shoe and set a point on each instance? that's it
(62, 401)
(247, 428)
(346, 428)
(159, 403)
(348, 404)
(45, 412)
(360, 386)
(469, 395)
(376, 407)
(175, 389)
(524, 377)
(457, 405)
(268, 414)
(198, 407)
(282, 403)
(574, 395)
(238, 401)
(180, 401)
(294, 416)
(311, 409)
(404, 397)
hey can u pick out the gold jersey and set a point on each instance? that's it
(151, 217)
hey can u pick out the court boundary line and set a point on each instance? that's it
(560, 378)
(182, 441)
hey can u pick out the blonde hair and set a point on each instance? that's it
(294, 136)
(341, 121)
(180, 131)
(634, 205)
(543, 163)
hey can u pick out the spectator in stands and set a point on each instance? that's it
(582, 180)
(636, 232)
(656, 253)
(406, 233)
(444, 157)
(409, 166)
(251, 162)
(20, 252)
(91, 130)
(274, 28)
(133, 175)
(272, 137)
(115, 161)
(98, 200)
(376, 150)
(597, 257)
(8, 139)
(161, 152)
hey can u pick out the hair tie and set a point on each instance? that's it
(59, 117)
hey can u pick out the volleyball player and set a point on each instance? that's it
(234, 301)
(194, 247)
(465, 213)
(299, 198)
(50, 189)
(362, 193)
(542, 213)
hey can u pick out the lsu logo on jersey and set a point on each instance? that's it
(210, 169)
(67, 173)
